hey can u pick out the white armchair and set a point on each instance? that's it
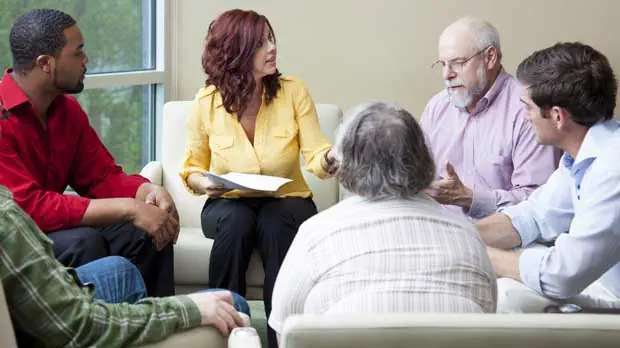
(192, 251)
(451, 330)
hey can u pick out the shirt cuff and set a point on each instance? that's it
(316, 165)
(185, 175)
(193, 318)
(525, 227)
(529, 268)
(482, 204)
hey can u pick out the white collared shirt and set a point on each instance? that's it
(579, 207)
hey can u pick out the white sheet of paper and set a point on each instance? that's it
(253, 182)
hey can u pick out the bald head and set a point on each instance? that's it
(469, 56)
(469, 35)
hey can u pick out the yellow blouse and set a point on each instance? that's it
(216, 140)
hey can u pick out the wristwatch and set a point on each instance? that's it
(570, 308)
(565, 308)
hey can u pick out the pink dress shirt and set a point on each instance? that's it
(493, 149)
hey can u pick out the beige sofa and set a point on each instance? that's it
(191, 253)
(452, 331)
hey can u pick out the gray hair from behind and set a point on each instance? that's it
(382, 153)
(485, 33)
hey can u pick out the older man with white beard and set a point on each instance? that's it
(484, 148)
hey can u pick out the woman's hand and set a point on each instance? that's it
(210, 188)
(329, 162)
(201, 184)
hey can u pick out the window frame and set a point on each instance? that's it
(155, 78)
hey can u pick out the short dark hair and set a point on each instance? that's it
(573, 76)
(37, 32)
(382, 153)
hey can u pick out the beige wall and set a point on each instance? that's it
(349, 51)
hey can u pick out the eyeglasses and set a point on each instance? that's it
(456, 64)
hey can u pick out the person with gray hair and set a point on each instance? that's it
(390, 247)
(485, 150)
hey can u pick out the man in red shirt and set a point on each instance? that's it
(47, 144)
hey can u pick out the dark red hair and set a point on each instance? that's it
(228, 58)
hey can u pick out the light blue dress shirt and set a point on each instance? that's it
(579, 208)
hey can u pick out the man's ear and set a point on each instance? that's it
(45, 62)
(491, 57)
(560, 116)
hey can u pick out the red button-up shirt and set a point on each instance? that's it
(38, 163)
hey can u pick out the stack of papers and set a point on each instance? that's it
(252, 182)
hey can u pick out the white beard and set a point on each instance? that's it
(463, 98)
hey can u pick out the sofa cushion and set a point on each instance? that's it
(451, 330)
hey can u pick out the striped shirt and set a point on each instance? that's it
(50, 308)
(384, 256)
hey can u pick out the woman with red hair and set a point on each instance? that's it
(251, 119)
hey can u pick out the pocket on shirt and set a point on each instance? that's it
(221, 142)
(496, 172)
(285, 144)
(284, 133)
(500, 160)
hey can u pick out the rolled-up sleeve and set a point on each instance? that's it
(197, 152)
(547, 213)
(312, 142)
(590, 247)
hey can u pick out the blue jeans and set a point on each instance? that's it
(115, 278)
(239, 303)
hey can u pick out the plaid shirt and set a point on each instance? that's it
(50, 308)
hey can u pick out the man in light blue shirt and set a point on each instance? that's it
(570, 97)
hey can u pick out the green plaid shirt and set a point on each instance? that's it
(51, 309)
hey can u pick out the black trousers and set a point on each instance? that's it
(77, 246)
(237, 226)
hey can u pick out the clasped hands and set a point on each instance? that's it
(451, 190)
(156, 214)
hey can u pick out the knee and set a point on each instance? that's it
(118, 264)
(240, 304)
(229, 216)
(126, 277)
(91, 241)
(285, 216)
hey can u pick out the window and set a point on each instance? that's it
(124, 86)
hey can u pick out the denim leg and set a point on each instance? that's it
(115, 278)
(239, 303)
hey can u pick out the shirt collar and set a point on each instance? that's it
(596, 139)
(593, 144)
(492, 93)
(11, 94)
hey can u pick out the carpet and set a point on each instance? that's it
(259, 320)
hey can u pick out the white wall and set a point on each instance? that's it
(349, 51)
